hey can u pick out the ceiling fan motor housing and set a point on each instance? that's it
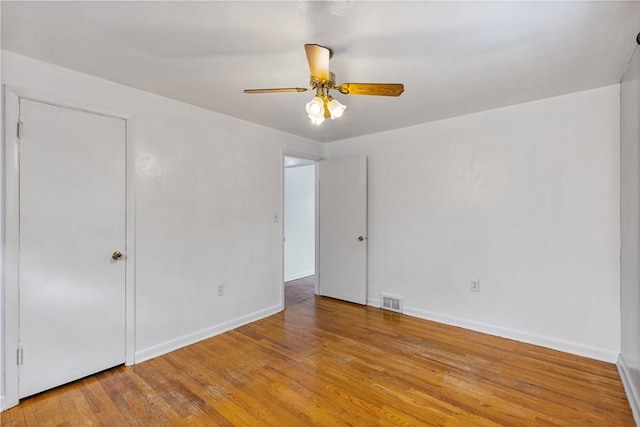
(323, 83)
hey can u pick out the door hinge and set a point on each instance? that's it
(20, 129)
(20, 355)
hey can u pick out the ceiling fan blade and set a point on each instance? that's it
(278, 90)
(318, 58)
(378, 89)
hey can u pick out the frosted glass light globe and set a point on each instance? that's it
(335, 108)
(315, 106)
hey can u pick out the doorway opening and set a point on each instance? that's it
(299, 230)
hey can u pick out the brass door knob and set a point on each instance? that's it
(361, 238)
(117, 255)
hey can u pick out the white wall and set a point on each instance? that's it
(629, 362)
(299, 222)
(207, 186)
(524, 198)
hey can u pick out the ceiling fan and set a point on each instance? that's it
(323, 105)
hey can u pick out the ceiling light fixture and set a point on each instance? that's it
(335, 108)
(315, 109)
(323, 106)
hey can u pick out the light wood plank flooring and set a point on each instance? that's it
(330, 363)
(297, 291)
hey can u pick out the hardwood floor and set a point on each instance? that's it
(330, 363)
(297, 291)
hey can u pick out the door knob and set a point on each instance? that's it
(361, 238)
(116, 255)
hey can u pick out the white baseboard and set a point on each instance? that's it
(192, 338)
(373, 302)
(299, 275)
(7, 404)
(632, 393)
(557, 344)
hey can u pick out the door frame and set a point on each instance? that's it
(315, 158)
(10, 287)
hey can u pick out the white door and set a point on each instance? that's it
(343, 228)
(72, 220)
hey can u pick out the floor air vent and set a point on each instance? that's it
(392, 303)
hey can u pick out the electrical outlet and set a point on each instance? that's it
(221, 289)
(276, 217)
(475, 285)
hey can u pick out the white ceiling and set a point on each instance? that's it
(453, 57)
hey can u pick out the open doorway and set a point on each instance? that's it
(299, 230)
